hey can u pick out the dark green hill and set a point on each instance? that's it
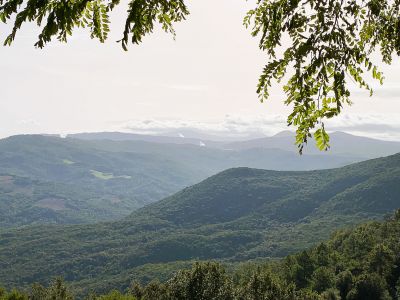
(237, 215)
(284, 196)
(80, 181)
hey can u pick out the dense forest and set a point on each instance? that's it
(235, 216)
(354, 264)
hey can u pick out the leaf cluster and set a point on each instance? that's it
(58, 18)
(325, 44)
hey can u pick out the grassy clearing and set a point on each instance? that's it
(68, 162)
(108, 176)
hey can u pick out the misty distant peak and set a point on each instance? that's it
(342, 133)
(285, 133)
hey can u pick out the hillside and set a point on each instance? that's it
(107, 184)
(71, 181)
(26, 201)
(236, 215)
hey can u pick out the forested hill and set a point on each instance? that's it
(354, 264)
(47, 179)
(370, 186)
(236, 215)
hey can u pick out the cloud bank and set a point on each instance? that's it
(386, 127)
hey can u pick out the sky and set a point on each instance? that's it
(205, 79)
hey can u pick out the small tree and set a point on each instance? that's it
(116, 295)
(381, 259)
(323, 279)
(155, 290)
(369, 287)
(57, 290)
(203, 281)
(344, 283)
(263, 285)
(13, 295)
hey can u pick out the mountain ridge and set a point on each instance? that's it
(234, 216)
(118, 176)
(342, 143)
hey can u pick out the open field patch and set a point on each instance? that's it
(108, 176)
(52, 203)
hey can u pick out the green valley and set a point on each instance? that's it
(238, 215)
(73, 181)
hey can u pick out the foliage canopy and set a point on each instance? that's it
(329, 43)
(341, 268)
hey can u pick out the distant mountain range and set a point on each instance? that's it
(236, 215)
(121, 136)
(342, 144)
(105, 176)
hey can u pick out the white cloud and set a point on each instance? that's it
(382, 126)
(231, 127)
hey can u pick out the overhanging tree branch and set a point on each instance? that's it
(330, 41)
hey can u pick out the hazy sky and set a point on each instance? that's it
(206, 78)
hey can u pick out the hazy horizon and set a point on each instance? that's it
(198, 134)
(204, 80)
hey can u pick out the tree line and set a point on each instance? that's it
(355, 264)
